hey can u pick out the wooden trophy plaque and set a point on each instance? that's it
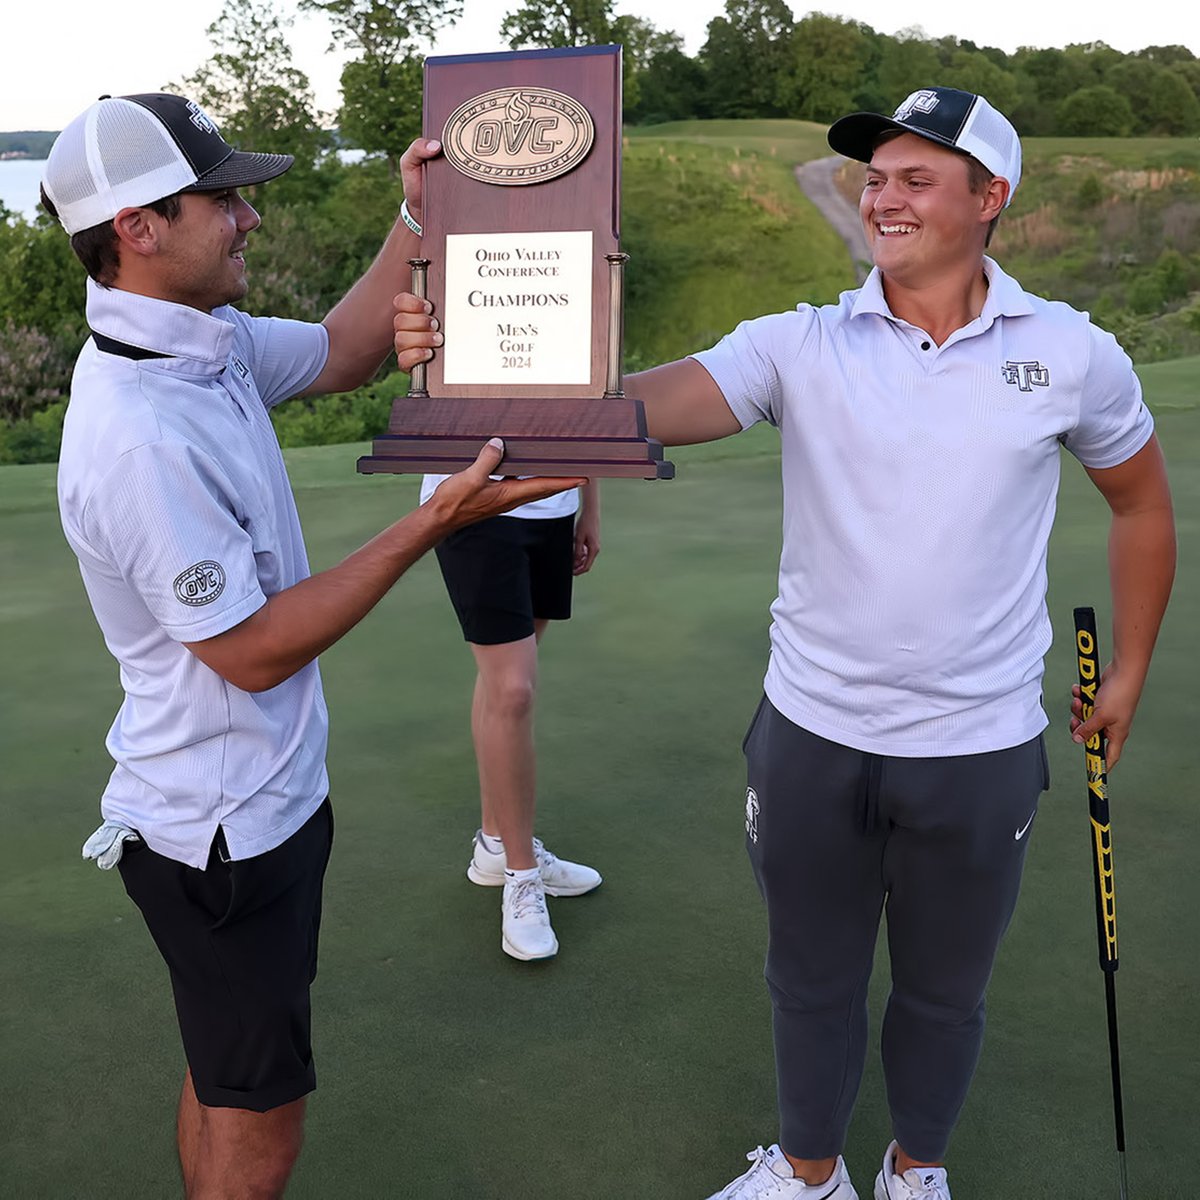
(523, 265)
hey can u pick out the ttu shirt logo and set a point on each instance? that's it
(1026, 375)
(201, 583)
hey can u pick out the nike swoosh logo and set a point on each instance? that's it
(1024, 828)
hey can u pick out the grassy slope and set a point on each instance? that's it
(444, 1065)
(717, 232)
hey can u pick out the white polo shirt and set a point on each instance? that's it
(561, 504)
(174, 497)
(919, 487)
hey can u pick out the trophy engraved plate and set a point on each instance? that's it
(520, 306)
(521, 261)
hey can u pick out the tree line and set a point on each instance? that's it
(757, 61)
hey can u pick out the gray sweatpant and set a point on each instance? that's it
(833, 835)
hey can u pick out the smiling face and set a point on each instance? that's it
(922, 221)
(200, 259)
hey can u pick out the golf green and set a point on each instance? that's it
(638, 1062)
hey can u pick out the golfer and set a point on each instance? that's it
(896, 758)
(507, 579)
(174, 497)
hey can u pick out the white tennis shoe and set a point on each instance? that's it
(525, 929)
(771, 1176)
(559, 877)
(917, 1183)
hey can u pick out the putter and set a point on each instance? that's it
(1088, 655)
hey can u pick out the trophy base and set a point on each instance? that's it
(591, 438)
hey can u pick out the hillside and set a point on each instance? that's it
(717, 231)
(1112, 226)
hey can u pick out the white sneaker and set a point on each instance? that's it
(525, 930)
(560, 878)
(772, 1175)
(917, 1183)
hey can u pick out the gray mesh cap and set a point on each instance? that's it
(947, 116)
(126, 151)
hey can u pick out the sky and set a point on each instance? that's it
(46, 80)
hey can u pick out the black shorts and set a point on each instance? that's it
(240, 942)
(506, 572)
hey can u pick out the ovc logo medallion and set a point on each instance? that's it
(201, 583)
(514, 136)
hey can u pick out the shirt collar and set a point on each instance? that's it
(159, 325)
(1005, 297)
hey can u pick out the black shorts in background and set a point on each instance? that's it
(240, 943)
(506, 572)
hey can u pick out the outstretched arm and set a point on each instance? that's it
(683, 403)
(302, 621)
(1141, 563)
(360, 324)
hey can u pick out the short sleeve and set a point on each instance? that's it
(285, 356)
(1114, 422)
(749, 364)
(164, 518)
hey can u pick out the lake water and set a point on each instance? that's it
(19, 181)
(21, 177)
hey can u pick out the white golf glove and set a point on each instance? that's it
(107, 844)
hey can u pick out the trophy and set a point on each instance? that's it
(521, 259)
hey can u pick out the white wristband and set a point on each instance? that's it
(409, 219)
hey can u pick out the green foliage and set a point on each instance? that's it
(262, 102)
(381, 87)
(1090, 193)
(348, 417)
(559, 23)
(747, 57)
(974, 71)
(1161, 99)
(41, 281)
(671, 86)
(829, 57)
(906, 62)
(381, 105)
(34, 369)
(1097, 111)
(35, 438)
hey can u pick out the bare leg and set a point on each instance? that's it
(502, 728)
(905, 1161)
(236, 1154)
(811, 1170)
(187, 1129)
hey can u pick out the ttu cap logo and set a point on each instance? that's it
(201, 583)
(1026, 375)
(200, 118)
(923, 101)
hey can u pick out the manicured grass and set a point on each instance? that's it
(789, 141)
(1173, 384)
(638, 1063)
